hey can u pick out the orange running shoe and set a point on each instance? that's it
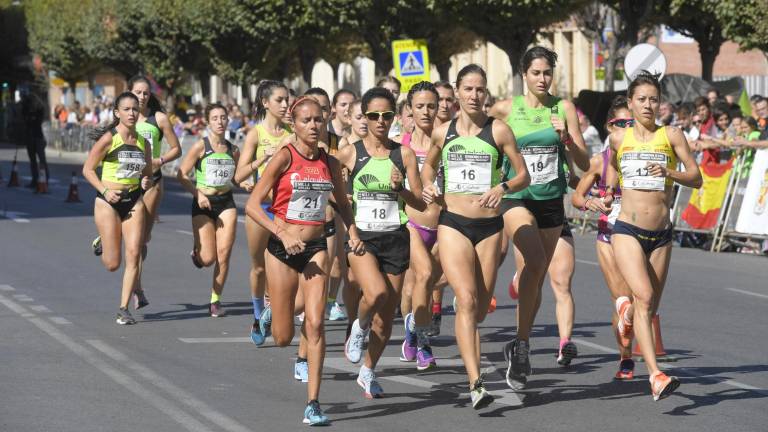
(663, 385)
(624, 324)
(513, 288)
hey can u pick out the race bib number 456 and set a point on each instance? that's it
(634, 170)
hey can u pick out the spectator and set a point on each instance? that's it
(666, 114)
(684, 121)
(74, 117)
(61, 114)
(33, 110)
(590, 133)
(713, 96)
(753, 100)
(760, 113)
(704, 111)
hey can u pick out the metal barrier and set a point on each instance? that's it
(72, 138)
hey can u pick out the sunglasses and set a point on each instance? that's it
(621, 122)
(376, 115)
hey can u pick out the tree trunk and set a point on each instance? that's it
(708, 50)
(71, 97)
(610, 63)
(515, 53)
(307, 59)
(443, 68)
(245, 88)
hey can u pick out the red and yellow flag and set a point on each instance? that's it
(704, 206)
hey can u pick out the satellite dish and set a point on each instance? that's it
(644, 57)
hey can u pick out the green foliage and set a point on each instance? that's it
(14, 50)
(699, 20)
(744, 22)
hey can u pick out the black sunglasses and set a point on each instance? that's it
(376, 115)
(621, 122)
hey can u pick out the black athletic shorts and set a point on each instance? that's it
(126, 203)
(392, 249)
(299, 261)
(548, 213)
(475, 229)
(219, 203)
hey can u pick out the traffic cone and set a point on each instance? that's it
(661, 353)
(42, 182)
(73, 196)
(14, 180)
(492, 305)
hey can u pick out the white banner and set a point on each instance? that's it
(753, 215)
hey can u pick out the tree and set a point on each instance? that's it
(616, 25)
(56, 35)
(15, 59)
(699, 20)
(512, 26)
(744, 23)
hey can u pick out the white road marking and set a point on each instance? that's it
(60, 320)
(495, 383)
(40, 308)
(587, 262)
(152, 398)
(23, 298)
(16, 216)
(164, 384)
(184, 232)
(7, 288)
(689, 372)
(748, 293)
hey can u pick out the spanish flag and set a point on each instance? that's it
(704, 206)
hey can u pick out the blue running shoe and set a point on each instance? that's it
(256, 335)
(314, 416)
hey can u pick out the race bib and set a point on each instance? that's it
(634, 171)
(377, 211)
(468, 173)
(219, 172)
(542, 163)
(130, 164)
(308, 201)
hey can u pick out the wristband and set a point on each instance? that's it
(584, 207)
(104, 192)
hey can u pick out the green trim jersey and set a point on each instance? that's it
(376, 206)
(540, 145)
(471, 163)
(124, 163)
(215, 170)
(152, 133)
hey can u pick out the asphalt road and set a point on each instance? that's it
(68, 367)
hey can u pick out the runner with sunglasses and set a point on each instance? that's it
(301, 177)
(644, 158)
(545, 128)
(471, 149)
(378, 168)
(585, 198)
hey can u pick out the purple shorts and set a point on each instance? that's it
(428, 235)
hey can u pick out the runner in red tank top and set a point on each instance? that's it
(301, 177)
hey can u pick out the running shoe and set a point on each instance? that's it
(256, 335)
(566, 353)
(337, 313)
(371, 387)
(265, 322)
(518, 364)
(626, 370)
(195, 259)
(96, 246)
(140, 299)
(409, 348)
(624, 323)
(353, 348)
(124, 317)
(434, 328)
(301, 370)
(424, 358)
(663, 385)
(314, 416)
(513, 294)
(479, 395)
(216, 310)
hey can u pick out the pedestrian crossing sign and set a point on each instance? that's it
(411, 60)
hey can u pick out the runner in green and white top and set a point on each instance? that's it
(379, 167)
(471, 148)
(546, 128)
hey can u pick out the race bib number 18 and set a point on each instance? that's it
(377, 211)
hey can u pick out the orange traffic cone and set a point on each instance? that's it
(42, 182)
(661, 353)
(73, 196)
(492, 305)
(14, 180)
